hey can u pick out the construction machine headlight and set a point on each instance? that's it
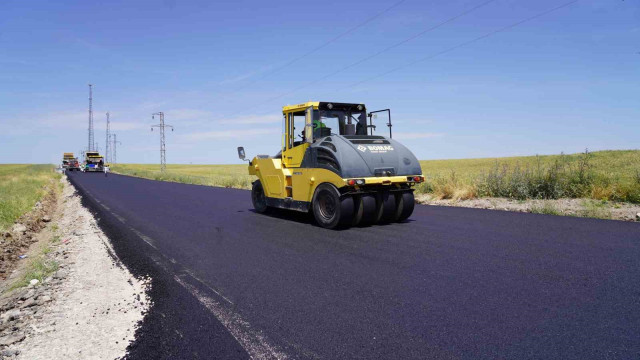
(329, 106)
(354, 182)
(360, 107)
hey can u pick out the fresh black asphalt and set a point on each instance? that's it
(450, 283)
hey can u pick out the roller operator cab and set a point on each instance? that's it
(333, 165)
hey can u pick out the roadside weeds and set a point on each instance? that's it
(567, 207)
(70, 297)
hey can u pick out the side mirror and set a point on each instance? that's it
(241, 154)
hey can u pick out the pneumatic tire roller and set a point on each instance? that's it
(336, 168)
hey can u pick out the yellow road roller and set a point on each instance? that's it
(332, 164)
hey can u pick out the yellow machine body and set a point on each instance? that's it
(289, 185)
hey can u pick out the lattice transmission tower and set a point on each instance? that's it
(91, 145)
(115, 148)
(107, 150)
(163, 149)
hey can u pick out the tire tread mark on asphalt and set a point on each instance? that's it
(254, 342)
(181, 268)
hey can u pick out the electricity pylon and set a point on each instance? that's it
(91, 144)
(107, 150)
(115, 147)
(163, 150)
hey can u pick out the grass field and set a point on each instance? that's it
(602, 175)
(21, 186)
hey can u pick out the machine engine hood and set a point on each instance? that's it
(366, 156)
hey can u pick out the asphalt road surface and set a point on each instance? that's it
(450, 283)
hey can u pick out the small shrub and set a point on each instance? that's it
(453, 188)
(38, 268)
(546, 207)
(595, 209)
(465, 192)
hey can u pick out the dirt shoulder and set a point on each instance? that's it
(16, 242)
(87, 306)
(567, 207)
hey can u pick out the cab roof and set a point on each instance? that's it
(323, 105)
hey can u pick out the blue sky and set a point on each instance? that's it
(565, 81)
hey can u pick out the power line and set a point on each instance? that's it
(369, 57)
(323, 45)
(489, 34)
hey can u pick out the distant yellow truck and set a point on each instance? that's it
(70, 162)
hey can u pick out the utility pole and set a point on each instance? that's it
(115, 147)
(162, 125)
(91, 142)
(107, 157)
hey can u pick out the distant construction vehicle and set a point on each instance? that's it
(70, 162)
(344, 175)
(93, 162)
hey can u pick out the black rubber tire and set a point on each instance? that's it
(405, 202)
(358, 210)
(386, 203)
(329, 209)
(258, 198)
(369, 209)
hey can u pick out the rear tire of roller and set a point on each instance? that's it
(386, 207)
(357, 210)
(369, 209)
(405, 202)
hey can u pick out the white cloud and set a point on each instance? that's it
(65, 120)
(239, 134)
(186, 114)
(245, 76)
(237, 78)
(62, 119)
(254, 119)
(415, 135)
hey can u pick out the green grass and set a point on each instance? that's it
(39, 267)
(231, 176)
(601, 175)
(596, 209)
(547, 207)
(21, 186)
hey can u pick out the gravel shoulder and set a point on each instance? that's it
(89, 308)
(568, 207)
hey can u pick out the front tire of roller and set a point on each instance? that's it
(405, 202)
(330, 210)
(258, 198)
